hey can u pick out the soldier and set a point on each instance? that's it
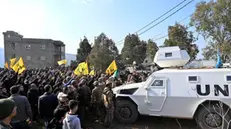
(108, 103)
(96, 99)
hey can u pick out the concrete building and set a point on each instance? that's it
(36, 53)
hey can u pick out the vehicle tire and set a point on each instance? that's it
(209, 117)
(126, 112)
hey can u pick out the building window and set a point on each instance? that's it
(28, 57)
(57, 48)
(8, 36)
(28, 46)
(12, 45)
(62, 49)
(42, 58)
(43, 47)
(168, 54)
(13, 56)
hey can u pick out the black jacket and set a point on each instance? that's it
(33, 95)
(84, 95)
(46, 105)
(55, 124)
(3, 96)
(66, 108)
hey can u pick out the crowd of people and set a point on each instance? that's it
(58, 98)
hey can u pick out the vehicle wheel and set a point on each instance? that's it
(210, 117)
(126, 112)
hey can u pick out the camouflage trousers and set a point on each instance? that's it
(109, 116)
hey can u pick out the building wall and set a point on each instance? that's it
(39, 55)
(12, 45)
(36, 53)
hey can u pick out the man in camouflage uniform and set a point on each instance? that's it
(96, 99)
(109, 104)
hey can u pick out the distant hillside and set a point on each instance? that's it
(1, 57)
(69, 57)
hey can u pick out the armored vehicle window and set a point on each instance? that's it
(192, 78)
(228, 78)
(168, 54)
(158, 83)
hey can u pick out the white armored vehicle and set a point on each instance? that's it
(200, 94)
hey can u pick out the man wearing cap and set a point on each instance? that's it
(63, 101)
(7, 112)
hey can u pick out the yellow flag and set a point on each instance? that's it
(21, 62)
(12, 61)
(81, 69)
(19, 66)
(85, 69)
(78, 70)
(62, 62)
(111, 68)
(6, 65)
(16, 67)
(21, 70)
(92, 72)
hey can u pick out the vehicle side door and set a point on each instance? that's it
(156, 94)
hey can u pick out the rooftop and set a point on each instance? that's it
(35, 40)
(169, 49)
(201, 70)
(13, 33)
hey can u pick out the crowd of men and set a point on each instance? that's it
(58, 98)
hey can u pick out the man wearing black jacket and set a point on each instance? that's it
(33, 95)
(57, 121)
(47, 104)
(84, 98)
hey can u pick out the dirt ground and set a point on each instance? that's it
(144, 122)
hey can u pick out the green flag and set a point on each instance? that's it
(115, 75)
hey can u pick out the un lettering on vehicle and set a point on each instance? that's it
(206, 90)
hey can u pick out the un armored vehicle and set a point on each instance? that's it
(200, 94)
